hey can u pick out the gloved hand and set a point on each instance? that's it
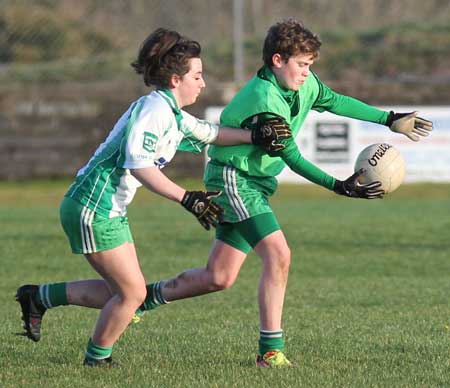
(409, 125)
(353, 189)
(199, 203)
(268, 133)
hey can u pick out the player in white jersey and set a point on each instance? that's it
(93, 212)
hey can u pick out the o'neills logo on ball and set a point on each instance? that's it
(381, 150)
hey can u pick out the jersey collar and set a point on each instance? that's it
(267, 74)
(290, 96)
(170, 99)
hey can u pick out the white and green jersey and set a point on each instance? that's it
(148, 134)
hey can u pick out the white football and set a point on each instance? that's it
(384, 163)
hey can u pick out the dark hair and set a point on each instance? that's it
(164, 53)
(289, 38)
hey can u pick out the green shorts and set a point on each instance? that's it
(243, 196)
(246, 234)
(245, 199)
(90, 232)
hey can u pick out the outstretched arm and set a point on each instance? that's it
(199, 133)
(407, 124)
(296, 162)
(199, 203)
(350, 187)
(265, 132)
(291, 155)
(154, 180)
(232, 136)
(342, 105)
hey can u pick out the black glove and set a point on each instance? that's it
(200, 205)
(268, 133)
(409, 125)
(352, 188)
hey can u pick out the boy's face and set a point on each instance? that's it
(292, 74)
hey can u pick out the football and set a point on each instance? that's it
(384, 163)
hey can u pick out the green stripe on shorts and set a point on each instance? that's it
(243, 196)
(90, 232)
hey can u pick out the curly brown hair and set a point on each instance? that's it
(289, 38)
(162, 54)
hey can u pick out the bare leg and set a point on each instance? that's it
(120, 268)
(94, 293)
(276, 256)
(223, 267)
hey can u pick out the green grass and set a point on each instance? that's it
(367, 302)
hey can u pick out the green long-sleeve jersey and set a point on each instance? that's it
(262, 95)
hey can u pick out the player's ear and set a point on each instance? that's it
(277, 60)
(174, 80)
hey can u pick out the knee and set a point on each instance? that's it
(221, 280)
(141, 294)
(136, 295)
(285, 258)
(280, 259)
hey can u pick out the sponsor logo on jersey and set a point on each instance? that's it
(149, 143)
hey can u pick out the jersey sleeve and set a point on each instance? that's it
(294, 160)
(144, 130)
(197, 133)
(329, 100)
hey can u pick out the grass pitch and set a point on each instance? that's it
(367, 303)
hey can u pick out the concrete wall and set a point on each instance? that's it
(51, 130)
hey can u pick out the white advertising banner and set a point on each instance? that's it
(333, 143)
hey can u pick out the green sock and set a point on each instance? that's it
(154, 297)
(52, 295)
(270, 340)
(96, 352)
(140, 311)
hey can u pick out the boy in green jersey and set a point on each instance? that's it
(284, 87)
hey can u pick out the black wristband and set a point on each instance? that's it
(394, 116)
(185, 199)
(339, 187)
(390, 119)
